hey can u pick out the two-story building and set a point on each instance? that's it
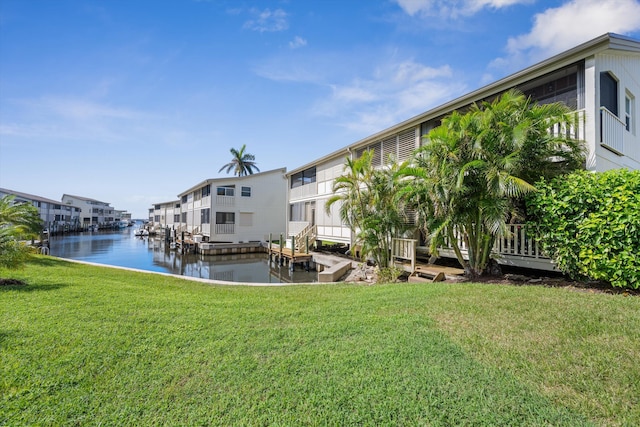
(599, 80)
(229, 210)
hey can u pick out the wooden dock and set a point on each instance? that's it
(283, 255)
(289, 255)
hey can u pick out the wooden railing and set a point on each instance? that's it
(404, 250)
(516, 248)
(306, 237)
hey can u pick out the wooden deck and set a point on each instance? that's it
(286, 254)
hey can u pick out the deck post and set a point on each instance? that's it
(269, 246)
(307, 245)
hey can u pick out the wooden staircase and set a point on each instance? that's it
(308, 234)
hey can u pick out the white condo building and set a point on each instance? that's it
(599, 80)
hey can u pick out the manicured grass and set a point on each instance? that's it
(82, 345)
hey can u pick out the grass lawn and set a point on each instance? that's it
(84, 345)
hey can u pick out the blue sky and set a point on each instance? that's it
(133, 102)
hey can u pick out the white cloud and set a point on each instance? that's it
(453, 8)
(561, 28)
(80, 109)
(267, 20)
(73, 119)
(395, 92)
(297, 42)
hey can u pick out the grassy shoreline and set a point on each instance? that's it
(92, 345)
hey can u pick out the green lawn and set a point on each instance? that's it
(82, 345)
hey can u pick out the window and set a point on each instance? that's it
(156, 207)
(246, 192)
(225, 218)
(226, 191)
(629, 102)
(184, 217)
(206, 190)
(609, 92)
(184, 199)
(177, 205)
(155, 218)
(176, 218)
(305, 177)
(205, 216)
(302, 211)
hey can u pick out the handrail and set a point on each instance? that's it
(517, 243)
(310, 232)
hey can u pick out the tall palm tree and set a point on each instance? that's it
(468, 177)
(242, 163)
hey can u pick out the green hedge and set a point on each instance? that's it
(589, 224)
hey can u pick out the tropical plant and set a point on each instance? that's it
(589, 224)
(468, 178)
(368, 205)
(242, 163)
(17, 220)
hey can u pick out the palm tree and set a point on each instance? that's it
(368, 205)
(242, 163)
(469, 176)
(17, 220)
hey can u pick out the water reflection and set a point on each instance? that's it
(122, 248)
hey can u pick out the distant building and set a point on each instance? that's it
(228, 210)
(93, 212)
(166, 214)
(55, 215)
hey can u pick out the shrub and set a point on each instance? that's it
(389, 274)
(589, 224)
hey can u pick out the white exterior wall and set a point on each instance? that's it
(257, 215)
(165, 213)
(626, 70)
(263, 212)
(330, 226)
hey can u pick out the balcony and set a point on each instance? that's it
(225, 228)
(225, 200)
(611, 132)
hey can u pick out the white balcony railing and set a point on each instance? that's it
(611, 131)
(225, 228)
(225, 200)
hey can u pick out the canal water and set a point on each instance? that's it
(121, 248)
